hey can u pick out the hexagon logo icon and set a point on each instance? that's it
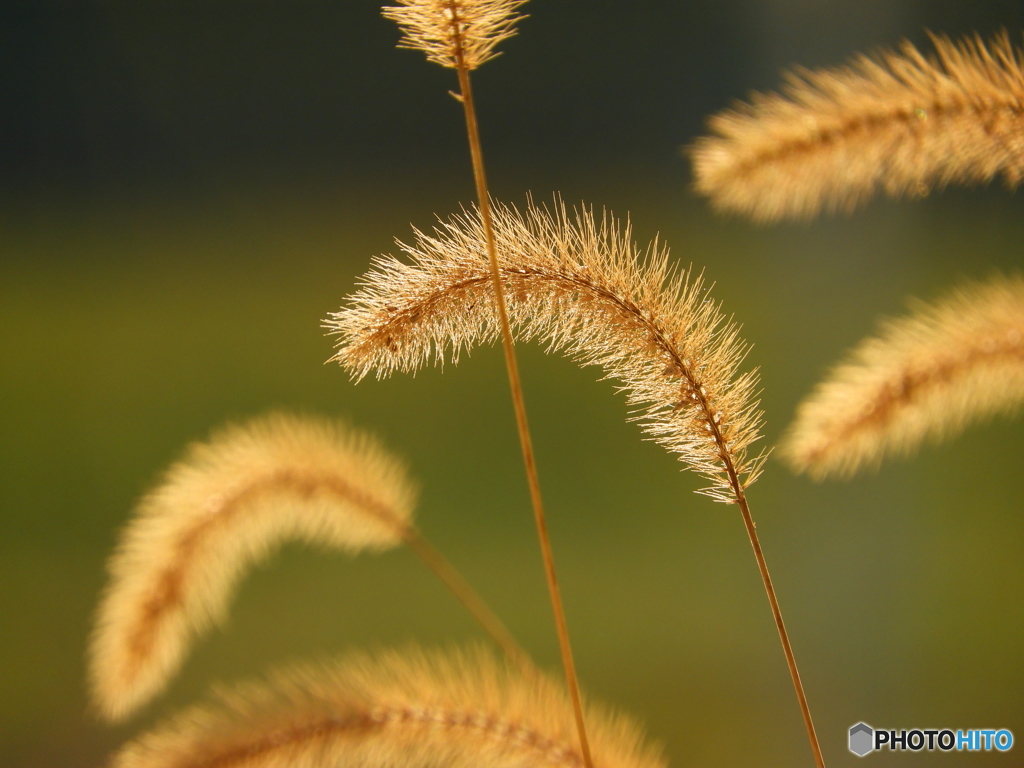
(862, 738)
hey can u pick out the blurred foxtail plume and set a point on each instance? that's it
(226, 505)
(396, 710)
(583, 287)
(898, 122)
(925, 376)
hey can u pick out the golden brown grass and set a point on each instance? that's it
(398, 710)
(927, 375)
(224, 506)
(581, 286)
(901, 123)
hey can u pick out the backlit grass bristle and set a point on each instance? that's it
(581, 286)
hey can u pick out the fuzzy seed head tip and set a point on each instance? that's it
(455, 32)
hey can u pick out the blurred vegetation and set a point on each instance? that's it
(169, 270)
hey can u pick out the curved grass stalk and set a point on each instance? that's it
(581, 287)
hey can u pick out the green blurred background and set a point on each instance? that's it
(187, 189)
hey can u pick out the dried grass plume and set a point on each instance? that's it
(583, 287)
(927, 375)
(901, 123)
(399, 710)
(224, 506)
(452, 30)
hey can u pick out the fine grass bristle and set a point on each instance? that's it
(901, 123)
(581, 286)
(224, 506)
(397, 710)
(451, 32)
(927, 375)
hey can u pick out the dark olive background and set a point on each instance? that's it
(187, 189)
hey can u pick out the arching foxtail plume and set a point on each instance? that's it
(580, 286)
(399, 710)
(462, 34)
(927, 375)
(226, 505)
(901, 123)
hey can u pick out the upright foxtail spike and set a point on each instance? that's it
(448, 31)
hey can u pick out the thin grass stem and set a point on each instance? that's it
(787, 649)
(465, 594)
(515, 385)
(737, 485)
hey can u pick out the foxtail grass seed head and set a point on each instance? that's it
(927, 375)
(899, 122)
(450, 31)
(226, 505)
(396, 710)
(583, 287)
